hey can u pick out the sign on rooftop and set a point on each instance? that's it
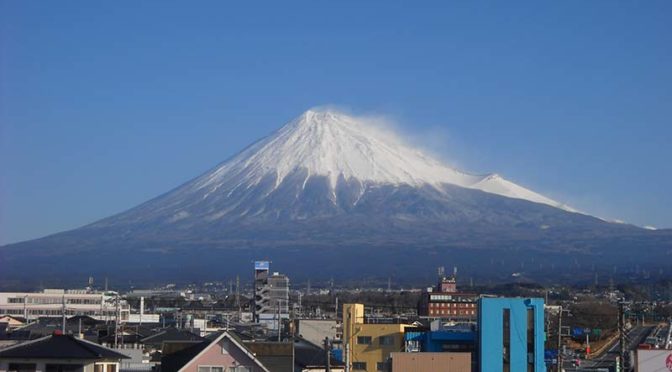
(261, 265)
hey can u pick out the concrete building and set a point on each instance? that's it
(446, 302)
(271, 296)
(54, 302)
(431, 362)
(367, 346)
(511, 335)
(441, 338)
(315, 330)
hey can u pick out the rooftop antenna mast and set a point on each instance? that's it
(441, 272)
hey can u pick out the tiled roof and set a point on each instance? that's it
(60, 347)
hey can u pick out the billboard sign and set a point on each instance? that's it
(654, 360)
(261, 265)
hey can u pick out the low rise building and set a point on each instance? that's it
(431, 362)
(59, 353)
(56, 302)
(12, 321)
(226, 353)
(367, 346)
(316, 330)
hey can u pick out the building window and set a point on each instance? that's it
(506, 340)
(215, 369)
(359, 366)
(530, 340)
(364, 340)
(22, 367)
(105, 367)
(64, 368)
(380, 366)
(386, 340)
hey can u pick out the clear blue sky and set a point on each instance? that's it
(104, 105)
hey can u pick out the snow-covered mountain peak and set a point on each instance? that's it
(334, 145)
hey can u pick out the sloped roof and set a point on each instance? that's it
(178, 360)
(173, 362)
(171, 334)
(307, 354)
(60, 347)
(276, 356)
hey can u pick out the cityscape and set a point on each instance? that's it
(265, 322)
(316, 186)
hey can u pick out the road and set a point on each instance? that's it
(608, 358)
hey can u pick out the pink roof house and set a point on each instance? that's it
(224, 354)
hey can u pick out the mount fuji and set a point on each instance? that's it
(333, 195)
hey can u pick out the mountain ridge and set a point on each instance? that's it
(328, 186)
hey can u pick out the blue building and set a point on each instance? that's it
(439, 341)
(511, 334)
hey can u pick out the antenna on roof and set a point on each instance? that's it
(441, 271)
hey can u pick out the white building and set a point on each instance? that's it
(55, 302)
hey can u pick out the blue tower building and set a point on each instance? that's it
(511, 334)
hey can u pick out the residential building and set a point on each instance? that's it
(367, 346)
(511, 334)
(271, 296)
(59, 353)
(55, 302)
(226, 353)
(12, 321)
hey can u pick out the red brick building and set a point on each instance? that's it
(446, 302)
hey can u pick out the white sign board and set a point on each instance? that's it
(654, 360)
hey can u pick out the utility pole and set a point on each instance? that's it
(327, 353)
(560, 339)
(621, 336)
(116, 322)
(278, 303)
(63, 313)
(238, 296)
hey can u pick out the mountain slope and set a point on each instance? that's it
(328, 186)
(320, 149)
